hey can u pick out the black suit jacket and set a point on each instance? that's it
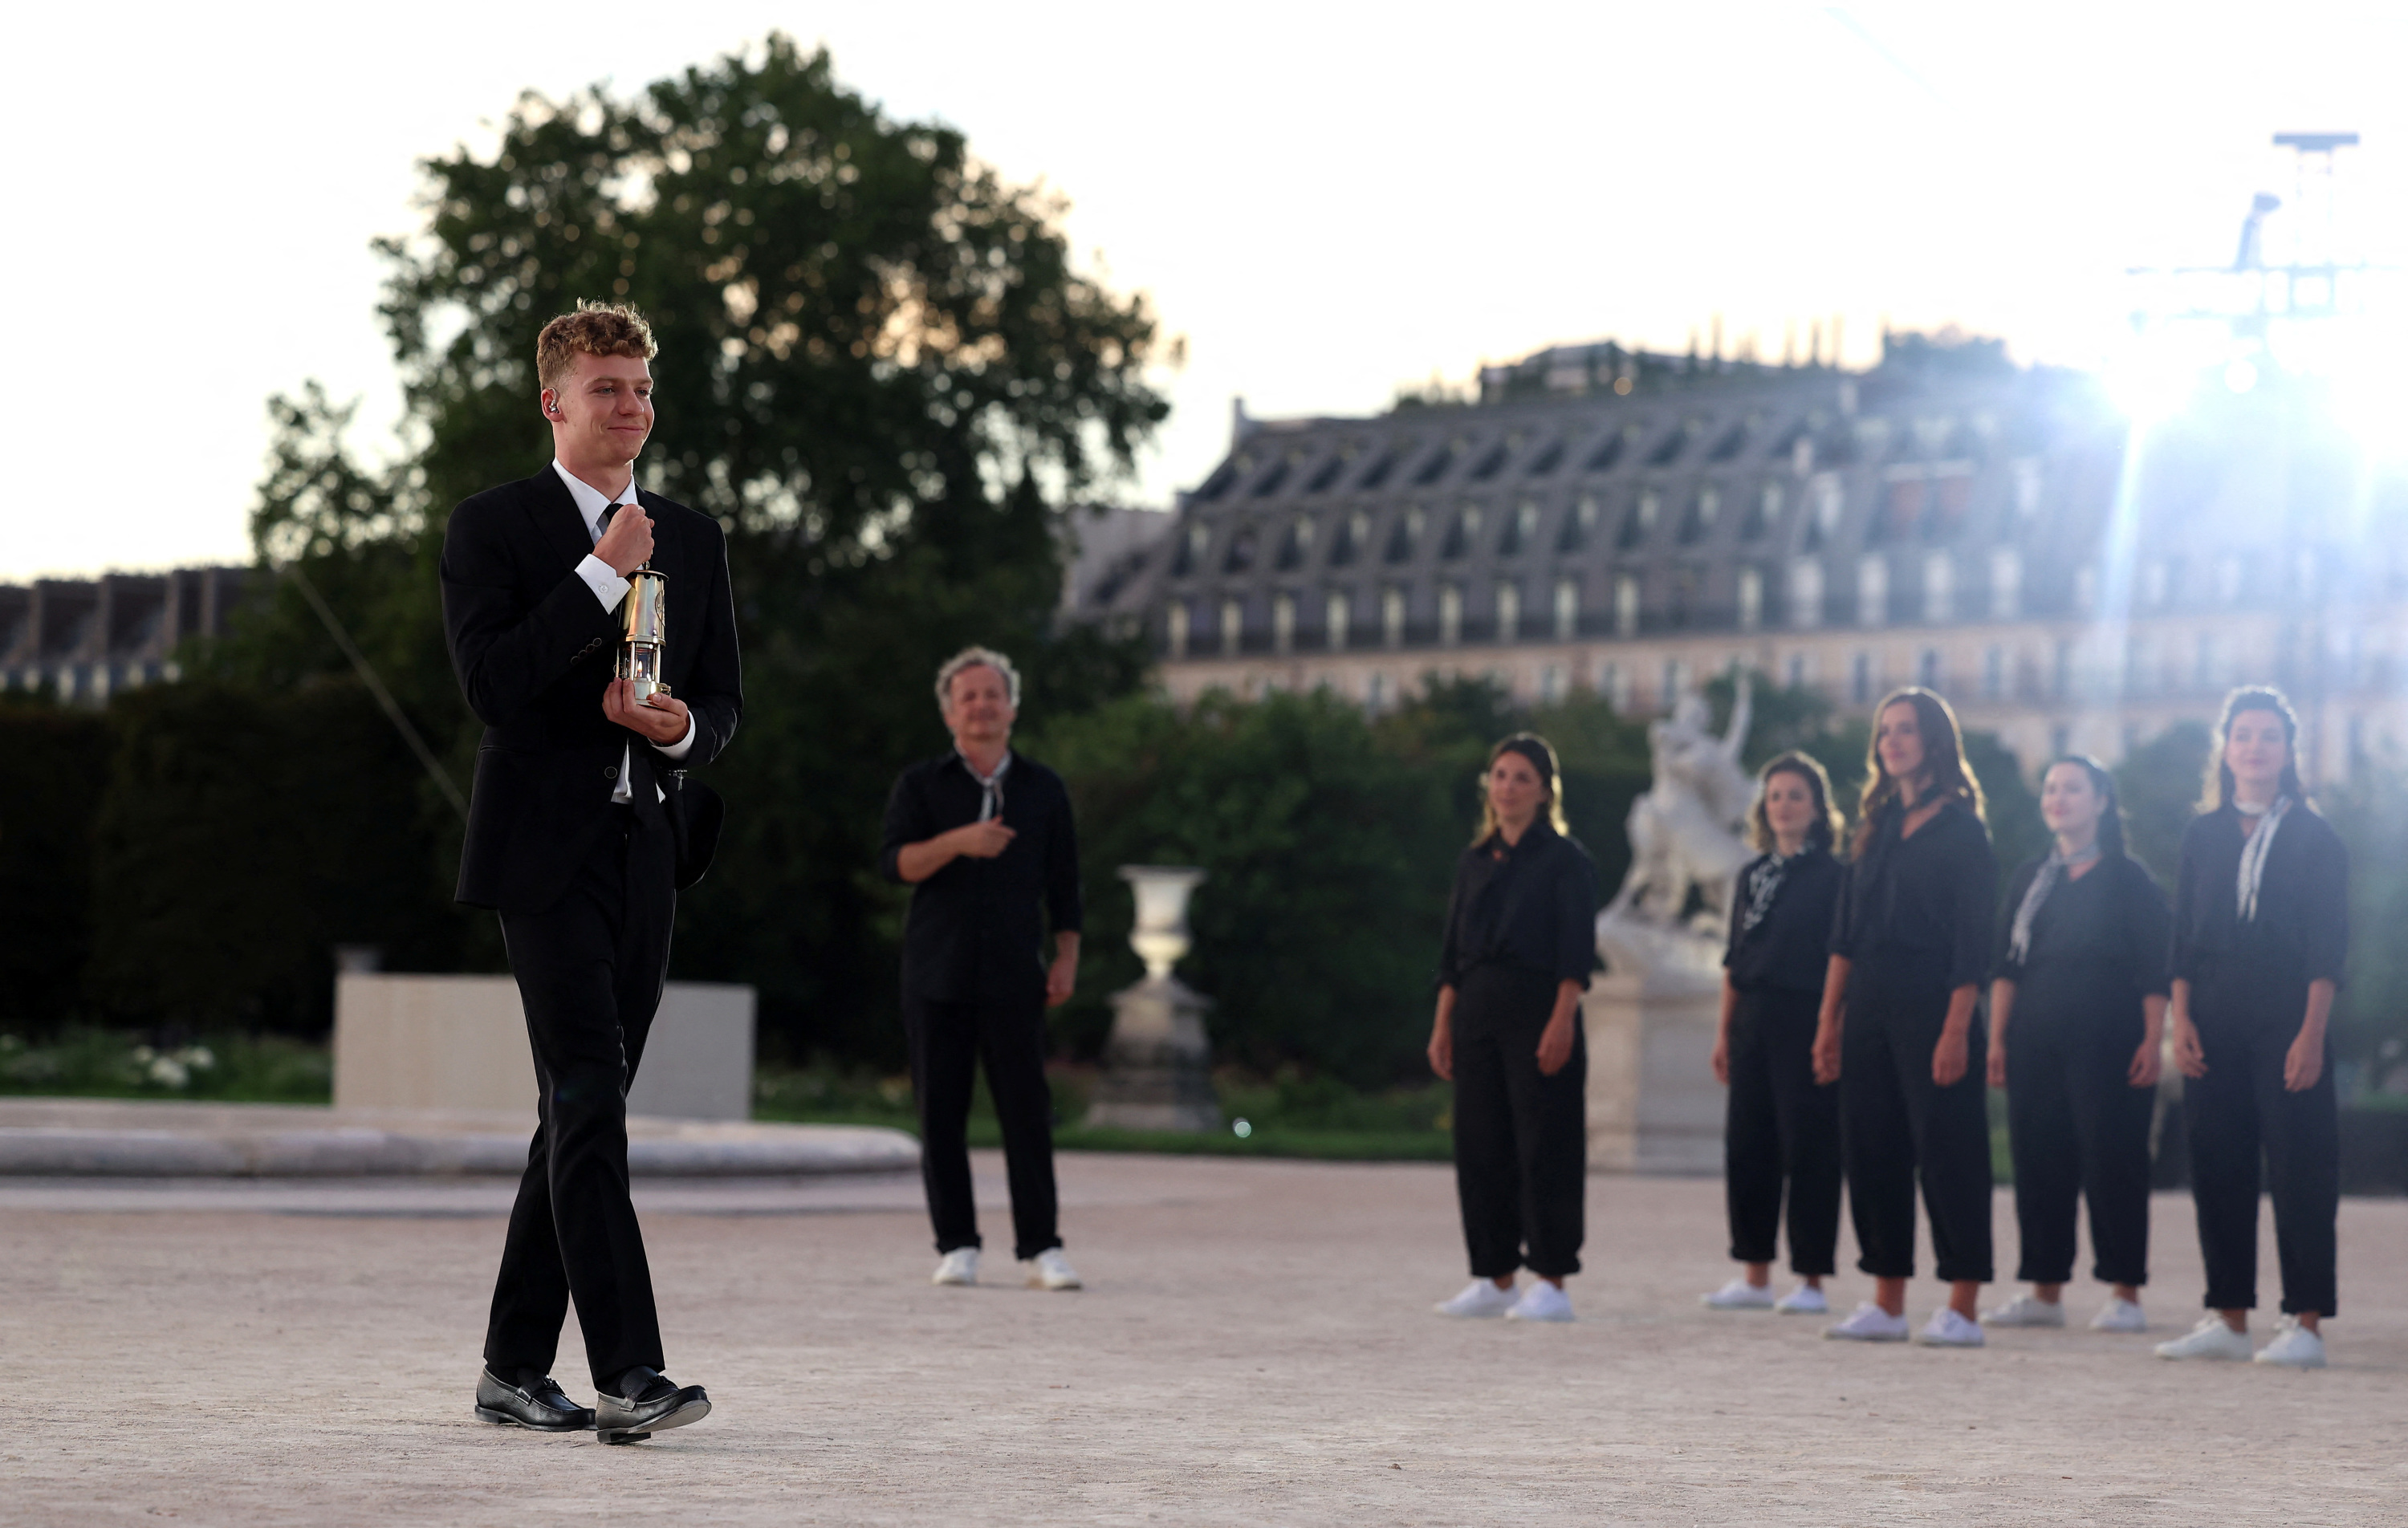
(534, 650)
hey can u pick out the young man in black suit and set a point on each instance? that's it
(572, 840)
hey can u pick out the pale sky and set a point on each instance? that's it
(1326, 201)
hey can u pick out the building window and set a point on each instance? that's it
(1860, 679)
(1282, 623)
(1994, 671)
(1462, 536)
(1614, 680)
(1873, 591)
(1939, 588)
(1337, 614)
(1626, 605)
(1642, 517)
(2006, 583)
(1805, 593)
(1521, 530)
(1768, 514)
(1927, 668)
(1702, 511)
(1405, 536)
(1509, 611)
(1566, 609)
(2027, 493)
(1233, 626)
(1297, 546)
(1578, 526)
(1392, 617)
(1192, 549)
(1750, 599)
(1175, 619)
(1551, 684)
(1450, 614)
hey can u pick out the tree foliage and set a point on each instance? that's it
(880, 370)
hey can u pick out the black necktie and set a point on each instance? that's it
(608, 511)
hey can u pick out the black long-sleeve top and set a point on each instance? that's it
(1531, 905)
(2301, 930)
(2098, 946)
(1922, 904)
(1789, 948)
(975, 930)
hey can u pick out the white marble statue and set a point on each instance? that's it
(1685, 839)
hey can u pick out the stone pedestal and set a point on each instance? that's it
(1158, 1064)
(460, 1043)
(1654, 1106)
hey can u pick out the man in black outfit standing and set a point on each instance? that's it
(571, 838)
(984, 836)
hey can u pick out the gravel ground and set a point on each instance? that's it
(1257, 1347)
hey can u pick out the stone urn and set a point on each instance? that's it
(1159, 1062)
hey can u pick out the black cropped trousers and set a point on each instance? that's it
(1521, 1137)
(949, 1041)
(2078, 1130)
(1782, 1130)
(1897, 1126)
(2240, 1113)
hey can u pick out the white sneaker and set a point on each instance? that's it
(2294, 1346)
(2026, 1310)
(2120, 1315)
(1947, 1329)
(960, 1266)
(1869, 1322)
(2209, 1339)
(1541, 1302)
(1480, 1298)
(1805, 1299)
(1739, 1294)
(1049, 1270)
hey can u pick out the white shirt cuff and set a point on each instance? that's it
(608, 586)
(684, 745)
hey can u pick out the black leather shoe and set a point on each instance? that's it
(651, 1404)
(540, 1406)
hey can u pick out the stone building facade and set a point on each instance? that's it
(2002, 535)
(86, 638)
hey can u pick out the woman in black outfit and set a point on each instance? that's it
(1908, 949)
(1520, 943)
(1782, 1123)
(2082, 974)
(2261, 927)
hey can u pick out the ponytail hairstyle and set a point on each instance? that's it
(1530, 746)
(2111, 810)
(2216, 790)
(1943, 765)
(1824, 832)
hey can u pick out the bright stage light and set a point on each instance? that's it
(2155, 376)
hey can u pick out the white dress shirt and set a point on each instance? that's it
(610, 589)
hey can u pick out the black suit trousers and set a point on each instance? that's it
(948, 1040)
(1520, 1136)
(1782, 1128)
(590, 970)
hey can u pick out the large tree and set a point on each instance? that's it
(879, 368)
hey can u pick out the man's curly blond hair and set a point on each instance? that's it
(594, 329)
